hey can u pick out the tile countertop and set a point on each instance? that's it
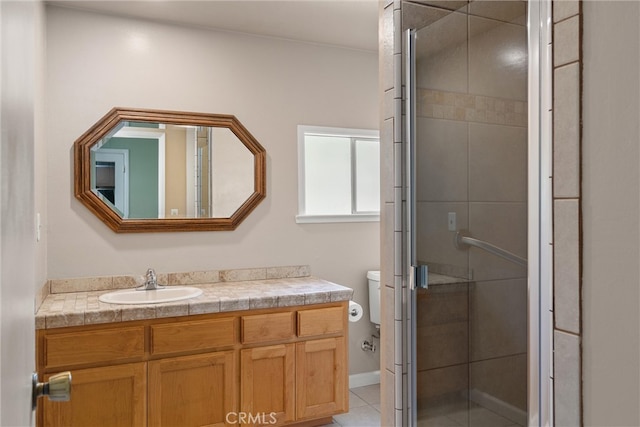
(84, 308)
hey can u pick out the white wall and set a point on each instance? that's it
(611, 212)
(96, 62)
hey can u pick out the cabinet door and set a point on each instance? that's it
(268, 384)
(321, 378)
(192, 390)
(108, 396)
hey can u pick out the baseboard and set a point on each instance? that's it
(363, 379)
(498, 406)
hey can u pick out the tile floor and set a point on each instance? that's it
(364, 408)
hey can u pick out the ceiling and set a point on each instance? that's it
(346, 23)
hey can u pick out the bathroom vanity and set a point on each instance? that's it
(271, 352)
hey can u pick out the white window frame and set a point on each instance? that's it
(302, 217)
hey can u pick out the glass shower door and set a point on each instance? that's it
(470, 214)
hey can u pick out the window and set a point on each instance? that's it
(339, 175)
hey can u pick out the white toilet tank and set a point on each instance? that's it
(374, 296)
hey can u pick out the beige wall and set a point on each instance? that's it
(611, 188)
(270, 85)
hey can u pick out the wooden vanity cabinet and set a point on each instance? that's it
(321, 378)
(102, 397)
(192, 390)
(268, 384)
(287, 365)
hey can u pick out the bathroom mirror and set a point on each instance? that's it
(157, 171)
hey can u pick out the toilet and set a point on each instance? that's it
(374, 297)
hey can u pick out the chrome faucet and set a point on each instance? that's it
(151, 282)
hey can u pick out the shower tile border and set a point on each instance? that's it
(466, 107)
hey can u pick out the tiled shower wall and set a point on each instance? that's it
(567, 78)
(453, 105)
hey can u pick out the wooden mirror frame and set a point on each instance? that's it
(82, 171)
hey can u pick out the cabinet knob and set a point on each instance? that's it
(57, 389)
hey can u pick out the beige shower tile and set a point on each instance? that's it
(497, 163)
(435, 241)
(445, 4)
(567, 379)
(387, 163)
(398, 240)
(387, 327)
(514, 12)
(498, 318)
(387, 386)
(497, 61)
(386, 57)
(387, 247)
(446, 304)
(441, 152)
(566, 266)
(504, 378)
(442, 384)
(564, 9)
(566, 41)
(442, 345)
(566, 131)
(441, 61)
(388, 107)
(415, 15)
(503, 225)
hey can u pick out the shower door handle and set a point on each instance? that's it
(419, 276)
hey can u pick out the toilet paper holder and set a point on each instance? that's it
(355, 311)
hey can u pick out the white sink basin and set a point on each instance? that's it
(133, 296)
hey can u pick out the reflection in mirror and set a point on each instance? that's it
(158, 170)
(151, 170)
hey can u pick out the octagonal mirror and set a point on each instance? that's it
(156, 171)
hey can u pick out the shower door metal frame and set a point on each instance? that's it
(540, 217)
(540, 206)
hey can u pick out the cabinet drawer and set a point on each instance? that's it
(267, 327)
(191, 336)
(106, 345)
(321, 321)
